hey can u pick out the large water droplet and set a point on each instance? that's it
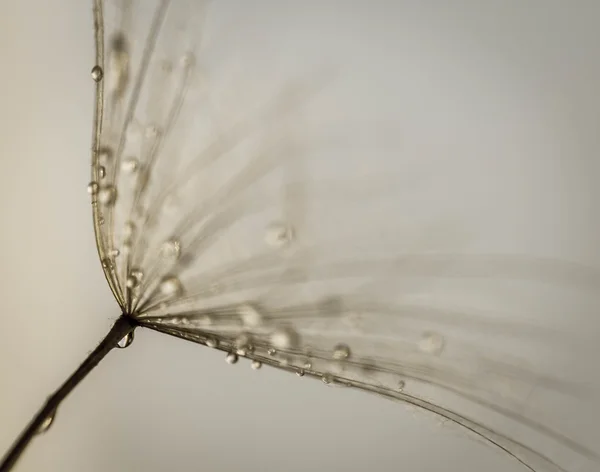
(256, 365)
(341, 352)
(130, 165)
(45, 425)
(107, 195)
(432, 343)
(250, 316)
(171, 249)
(285, 338)
(126, 340)
(231, 358)
(278, 235)
(92, 188)
(171, 286)
(97, 73)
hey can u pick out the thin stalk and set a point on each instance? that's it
(122, 327)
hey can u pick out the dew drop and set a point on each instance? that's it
(92, 188)
(101, 172)
(278, 235)
(97, 73)
(107, 195)
(300, 373)
(256, 365)
(307, 365)
(432, 343)
(171, 249)
(212, 342)
(115, 252)
(327, 379)
(271, 352)
(126, 340)
(171, 286)
(45, 425)
(250, 316)
(401, 385)
(341, 352)
(128, 229)
(130, 165)
(101, 220)
(107, 263)
(285, 338)
(231, 358)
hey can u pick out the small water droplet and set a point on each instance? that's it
(126, 340)
(107, 263)
(100, 220)
(152, 131)
(307, 365)
(119, 63)
(107, 195)
(101, 172)
(300, 373)
(212, 342)
(114, 252)
(92, 188)
(131, 281)
(250, 316)
(171, 286)
(432, 343)
(187, 59)
(285, 338)
(171, 249)
(45, 425)
(97, 73)
(128, 229)
(278, 235)
(341, 352)
(401, 385)
(272, 352)
(231, 358)
(327, 379)
(256, 365)
(130, 165)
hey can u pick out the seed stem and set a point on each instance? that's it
(123, 326)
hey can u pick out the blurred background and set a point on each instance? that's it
(501, 94)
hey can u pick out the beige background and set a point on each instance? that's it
(165, 404)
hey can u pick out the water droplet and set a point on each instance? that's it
(300, 373)
(231, 358)
(45, 425)
(114, 252)
(272, 352)
(100, 220)
(401, 385)
(212, 342)
(126, 340)
(256, 365)
(278, 235)
(307, 365)
(152, 131)
(130, 165)
(131, 281)
(105, 154)
(107, 195)
(327, 379)
(285, 338)
(171, 286)
(128, 229)
(250, 316)
(97, 73)
(107, 263)
(119, 64)
(341, 352)
(171, 249)
(242, 341)
(432, 343)
(101, 172)
(92, 188)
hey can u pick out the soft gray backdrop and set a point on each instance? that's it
(164, 404)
